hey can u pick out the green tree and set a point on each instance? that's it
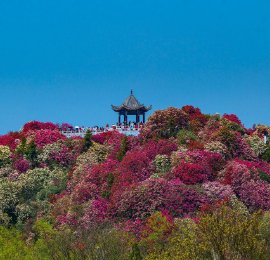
(123, 149)
(232, 234)
(31, 154)
(87, 142)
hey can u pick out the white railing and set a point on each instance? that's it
(123, 130)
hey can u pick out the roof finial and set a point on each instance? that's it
(131, 92)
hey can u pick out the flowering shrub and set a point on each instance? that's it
(11, 140)
(197, 120)
(217, 191)
(257, 144)
(35, 125)
(216, 147)
(156, 194)
(255, 194)
(21, 165)
(47, 136)
(162, 163)
(165, 123)
(169, 192)
(4, 155)
(233, 118)
(191, 173)
(96, 213)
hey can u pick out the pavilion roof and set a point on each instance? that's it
(131, 104)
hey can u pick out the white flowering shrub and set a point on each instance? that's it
(44, 156)
(4, 155)
(257, 144)
(216, 147)
(162, 163)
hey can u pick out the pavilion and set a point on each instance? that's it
(131, 107)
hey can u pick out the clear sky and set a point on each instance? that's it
(69, 60)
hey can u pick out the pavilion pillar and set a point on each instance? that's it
(119, 118)
(143, 117)
(125, 118)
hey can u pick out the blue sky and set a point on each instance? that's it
(69, 60)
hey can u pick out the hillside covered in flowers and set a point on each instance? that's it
(190, 186)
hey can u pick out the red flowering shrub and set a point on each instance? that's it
(233, 118)
(102, 137)
(197, 120)
(35, 125)
(11, 139)
(84, 191)
(134, 167)
(210, 161)
(162, 147)
(214, 161)
(191, 173)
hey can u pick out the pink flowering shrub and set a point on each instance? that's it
(217, 191)
(96, 213)
(96, 182)
(135, 167)
(255, 194)
(156, 194)
(21, 165)
(235, 174)
(64, 157)
(47, 136)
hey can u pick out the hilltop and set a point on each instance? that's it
(190, 186)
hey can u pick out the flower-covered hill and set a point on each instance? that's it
(177, 185)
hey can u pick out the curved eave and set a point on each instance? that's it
(123, 107)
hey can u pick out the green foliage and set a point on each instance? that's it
(266, 155)
(231, 234)
(157, 229)
(123, 149)
(12, 245)
(101, 243)
(183, 243)
(87, 142)
(21, 148)
(185, 136)
(136, 254)
(31, 154)
(264, 176)
(110, 180)
(162, 165)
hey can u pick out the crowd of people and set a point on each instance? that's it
(81, 130)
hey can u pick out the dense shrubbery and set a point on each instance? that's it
(191, 186)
